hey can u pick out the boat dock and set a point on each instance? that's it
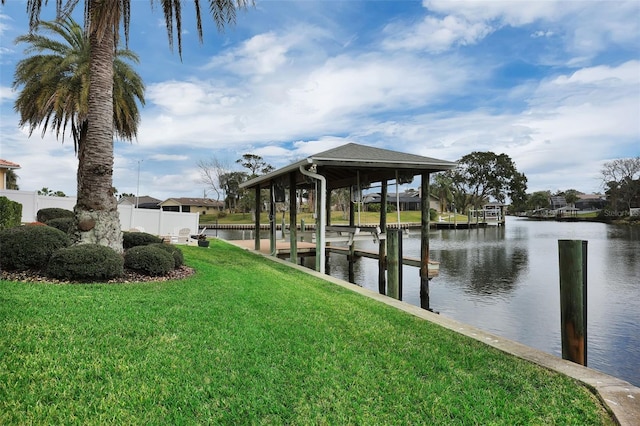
(283, 250)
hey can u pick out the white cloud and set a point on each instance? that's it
(587, 28)
(436, 34)
(6, 94)
(169, 157)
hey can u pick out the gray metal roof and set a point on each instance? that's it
(351, 163)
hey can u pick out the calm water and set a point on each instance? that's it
(505, 281)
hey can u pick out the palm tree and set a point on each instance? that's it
(12, 180)
(441, 187)
(55, 84)
(96, 209)
(55, 96)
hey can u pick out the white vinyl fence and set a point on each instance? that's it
(155, 222)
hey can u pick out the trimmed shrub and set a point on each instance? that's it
(86, 262)
(173, 250)
(65, 224)
(135, 239)
(149, 260)
(45, 215)
(433, 214)
(30, 247)
(10, 213)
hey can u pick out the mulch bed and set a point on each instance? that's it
(129, 276)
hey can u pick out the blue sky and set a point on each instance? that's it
(553, 84)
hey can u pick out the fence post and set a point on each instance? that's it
(573, 299)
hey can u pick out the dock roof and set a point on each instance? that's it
(349, 164)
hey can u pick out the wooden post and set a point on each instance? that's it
(257, 220)
(573, 299)
(382, 247)
(352, 213)
(351, 260)
(424, 243)
(394, 263)
(293, 218)
(272, 221)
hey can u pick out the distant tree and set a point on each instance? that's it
(230, 185)
(538, 200)
(12, 180)
(255, 164)
(211, 172)
(570, 195)
(483, 175)
(442, 188)
(621, 180)
(341, 198)
(49, 193)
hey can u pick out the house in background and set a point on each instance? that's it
(408, 200)
(143, 202)
(192, 205)
(589, 202)
(5, 166)
(557, 202)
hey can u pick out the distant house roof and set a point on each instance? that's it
(349, 164)
(4, 164)
(403, 197)
(557, 201)
(201, 202)
(144, 202)
(591, 197)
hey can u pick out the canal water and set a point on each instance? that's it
(505, 280)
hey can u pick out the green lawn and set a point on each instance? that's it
(336, 218)
(249, 341)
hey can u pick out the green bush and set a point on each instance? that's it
(135, 239)
(86, 262)
(149, 260)
(30, 247)
(45, 215)
(433, 214)
(10, 213)
(375, 207)
(65, 224)
(173, 250)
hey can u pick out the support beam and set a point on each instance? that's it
(382, 247)
(293, 218)
(424, 243)
(272, 220)
(321, 217)
(257, 218)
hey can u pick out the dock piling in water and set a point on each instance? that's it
(573, 299)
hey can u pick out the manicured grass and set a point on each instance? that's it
(249, 341)
(337, 217)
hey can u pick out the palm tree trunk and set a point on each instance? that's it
(96, 209)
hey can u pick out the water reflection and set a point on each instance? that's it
(481, 260)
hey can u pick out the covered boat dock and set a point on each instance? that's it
(355, 167)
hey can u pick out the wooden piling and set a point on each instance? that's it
(424, 242)
(394, 263)
(293, 218)
(572, 256)
(382, 247)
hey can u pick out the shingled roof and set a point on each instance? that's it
(351, 163)
(4, 164)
